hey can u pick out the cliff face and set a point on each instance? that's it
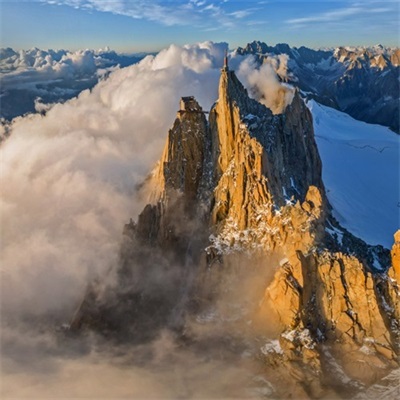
(277, 149)
(175, 183)
(249, 183)
(261, 161)
(269, 195)
(160, 252)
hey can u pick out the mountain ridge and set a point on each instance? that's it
(375, 68)
(361, 81)
(186, 253)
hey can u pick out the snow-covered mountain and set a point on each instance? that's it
(361, 81)
(361, 172)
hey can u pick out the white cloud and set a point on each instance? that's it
(70, 175)
(336, 15)
(241, 14)
(199, 3)
(327, 16)
(169, 13)
(263, 83)
(52, 75)
(26, 68)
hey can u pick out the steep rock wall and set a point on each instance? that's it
(249, 183)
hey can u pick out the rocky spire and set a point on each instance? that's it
(181, 166)
(260, 159)
(249, 183)
(175, 183)
(269, 195)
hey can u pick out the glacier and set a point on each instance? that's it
(361, 172)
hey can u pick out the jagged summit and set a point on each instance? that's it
(225, 68)
(234, 197)
(283, 146)
(361, 81)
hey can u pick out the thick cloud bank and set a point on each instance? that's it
(45, 64)
(70, 175)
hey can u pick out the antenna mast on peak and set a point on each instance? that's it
(226, 67)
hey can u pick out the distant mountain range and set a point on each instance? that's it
(361, 81)
(47, 76)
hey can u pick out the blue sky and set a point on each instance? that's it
(149, 25)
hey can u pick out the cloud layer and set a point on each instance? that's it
(70, 175)
(36, 65)
(352, 11)
(52, 76)
(264, 84)
(69, 178)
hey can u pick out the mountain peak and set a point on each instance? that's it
(248, 183)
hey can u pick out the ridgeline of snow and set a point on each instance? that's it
(361, 173)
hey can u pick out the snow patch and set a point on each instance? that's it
(366, 350)
(302, 338)
(272, 347)
(361, 173)
(376, 264)
(283, 262)
(335, 233)
(207, 316)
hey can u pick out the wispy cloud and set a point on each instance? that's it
(336, 15)
(240, 14)
(190, 12)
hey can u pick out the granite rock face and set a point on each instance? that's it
(177, 180)
(260, 159)
(239, 195)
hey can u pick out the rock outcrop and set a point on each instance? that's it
(176, 182)
(260, 160)
(270, 194)
(248, 184)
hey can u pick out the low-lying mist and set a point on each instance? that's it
(69, 178)
(160, 369)
(213, 354)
